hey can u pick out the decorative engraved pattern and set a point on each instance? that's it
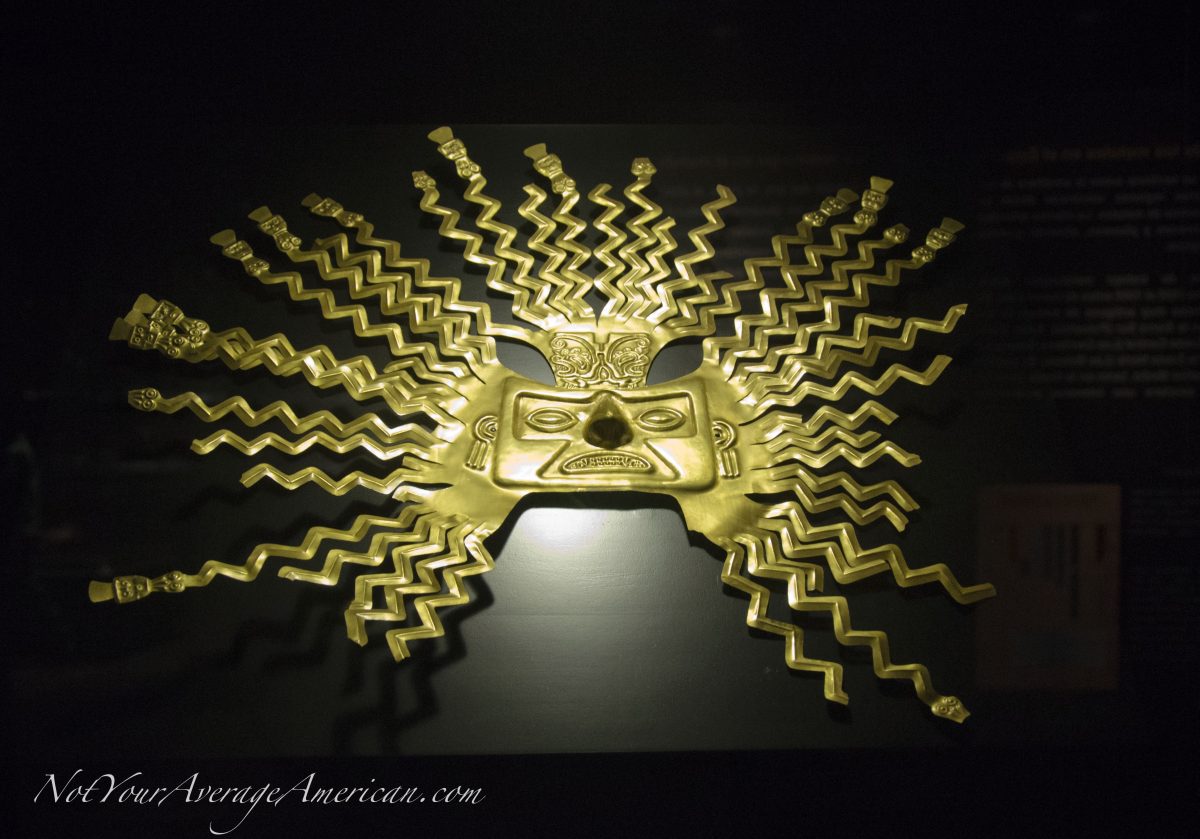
(160, 325)
(724, 437)
(578, 361)
(481, 449)
(753, 477)
(610, 462)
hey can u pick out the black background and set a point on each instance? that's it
(134, 136)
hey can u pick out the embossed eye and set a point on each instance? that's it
(551, 419)
(661, 419)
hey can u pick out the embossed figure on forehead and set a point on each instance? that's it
(586, 360)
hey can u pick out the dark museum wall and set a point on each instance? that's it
(1058, 451)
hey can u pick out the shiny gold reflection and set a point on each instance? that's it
(712, 439)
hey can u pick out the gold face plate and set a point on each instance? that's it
(653, 439)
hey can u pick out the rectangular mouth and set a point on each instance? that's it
(606, 462)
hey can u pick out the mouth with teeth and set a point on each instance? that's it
(607, 462)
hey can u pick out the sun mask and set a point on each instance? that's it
(751, 445)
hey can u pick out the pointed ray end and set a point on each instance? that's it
(261, 214)
(223, 238)
(441, 135)
(536, 152)
(100, 592)
(974, 594)
(311, 200)
(252, 475)
(881, 184)
(144, 303)
(953, 225)
(959, 310)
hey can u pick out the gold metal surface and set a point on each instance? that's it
(716, 440)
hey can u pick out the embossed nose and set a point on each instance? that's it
(608, 432)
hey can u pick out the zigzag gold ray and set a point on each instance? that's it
(238, 350)
(149, 399)
(807, 299)
(633, 296)
(426, 608)
(534, 310)
(849, 561)
(428, 537)
(560, 289)
(806, 493)
(373, 556)
(840, 550)
(445, 548)
(696, 315)
(650, 287)
(937, 238)
(614, 237)
(849, 453)
(746, 327)
(387, 485)
(756, 618)
(448, 228)
(781, 319)
(714, 348)
(459, 313)
(814, 443)
(176, 581)
(768, 427)
(825, 362)
(431, 544)
(769, 564)
(341, 445)
(428, 575)
(413, 306)
(716, 439)
(423, 358)
(781, 478)
(580, 255)
(853, 379)
(396, 298)
(573, 298)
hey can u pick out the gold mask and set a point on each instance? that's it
(715, 440)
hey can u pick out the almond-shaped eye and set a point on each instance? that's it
(551, 419)
(661, 419)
